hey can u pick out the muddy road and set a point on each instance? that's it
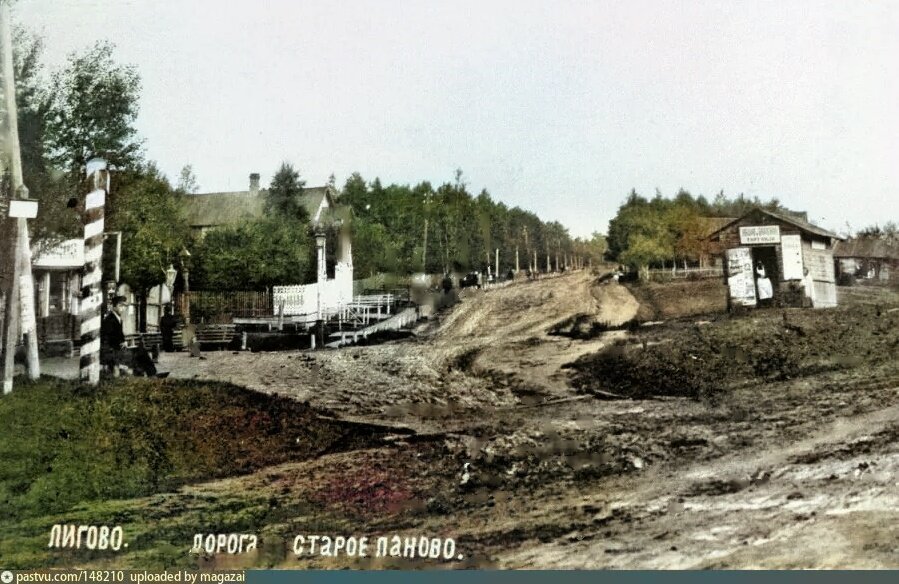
(526, 472)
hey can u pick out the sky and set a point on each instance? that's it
(559, 107)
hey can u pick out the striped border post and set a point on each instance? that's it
(91, 289)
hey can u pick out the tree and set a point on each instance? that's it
(54, 221)
(144, 207)
(257, 254)
(93, 106)
(187, 181)
(889, 232)
(284, 193)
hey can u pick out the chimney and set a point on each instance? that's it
(254, 183)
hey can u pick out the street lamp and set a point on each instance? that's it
(170, 275)
(184, 256)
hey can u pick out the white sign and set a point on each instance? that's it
(26, 302)
(23, 209)
(760, 234)
(68, 254)
(791, 249)
(740, 279)
(817, 244)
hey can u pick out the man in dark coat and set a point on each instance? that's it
(113, 353)
(167, 325)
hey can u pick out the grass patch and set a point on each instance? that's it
(65, 444)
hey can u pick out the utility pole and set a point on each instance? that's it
(424, 250)
(527, 249)
(19, 314)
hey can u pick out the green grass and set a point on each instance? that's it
(83, 455)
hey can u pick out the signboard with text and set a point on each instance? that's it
(740, 279)
(791, 250)
(759, 234)
(66, 254)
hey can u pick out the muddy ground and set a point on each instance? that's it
(795, 472)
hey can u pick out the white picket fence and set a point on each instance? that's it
(327, 296)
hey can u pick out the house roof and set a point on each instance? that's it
(795, 219)
(866, 247)
(711, 225)
(214, 209)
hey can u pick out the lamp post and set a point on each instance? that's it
(170, 274)
(184, 256)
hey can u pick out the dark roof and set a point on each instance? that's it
(711, 225)
(866, 247)
(213, 209)
(795, 219)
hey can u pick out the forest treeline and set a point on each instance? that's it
(662, 231)
(405, 229)
(88, 108)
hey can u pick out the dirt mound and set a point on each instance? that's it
(684, 359)
(660, 301)
(586, 326)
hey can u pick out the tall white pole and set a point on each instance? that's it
(20, 313)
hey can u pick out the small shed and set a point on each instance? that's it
(778, 246)
(867, 259)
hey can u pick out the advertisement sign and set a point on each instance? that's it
(740, 278)
(791, 248)
(760, 234)
(26, 297)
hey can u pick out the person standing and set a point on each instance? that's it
(167, 325)
(808, 288)
(113, 352)
(763, 283)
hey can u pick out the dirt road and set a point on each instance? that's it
(799, 473)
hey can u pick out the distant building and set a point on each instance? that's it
(57, 276)
(57, 269)
(210, 210)
(785, 244)
(328, 220)
(867, 259)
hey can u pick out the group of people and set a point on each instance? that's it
(766, 290)
(115, 354)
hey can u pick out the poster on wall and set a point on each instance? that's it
(740, 279)
(791, 248)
